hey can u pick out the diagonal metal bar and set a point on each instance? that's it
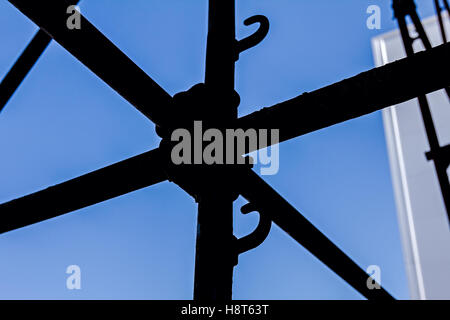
(357, 96)
(99, 54)
(268, 202)
(446, 6)
(439, 10)
(22, 66)
(115, 180)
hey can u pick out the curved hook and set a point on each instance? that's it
(258, 236)
(256, 37)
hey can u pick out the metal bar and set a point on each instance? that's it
(404, 32)
(268, 202)
(22, 66)
(440, 163)
(439, 10)
(421, 31)
(100, 55)
(301, 115)
(104, 184)
(447, 7)
(365, 93)
(214, 261)
(333, 104)
(401, 10)
(220, 50)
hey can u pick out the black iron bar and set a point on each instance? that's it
(403, 8)
(220, 50)
(268, 202)
(100, 55)
(23, 65)
(215, 258)
(330, 105)
(351, 98)
(115, 180)
(439, 10)
(421, 31)
(440, 163)
(214, 261)
(447, 7)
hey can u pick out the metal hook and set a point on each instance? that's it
(258, 236)
(256, 37)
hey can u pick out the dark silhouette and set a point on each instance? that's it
(440, 155)
(439, 10)
(215, 102)
(23, 65)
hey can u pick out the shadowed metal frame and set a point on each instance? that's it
(365, 93)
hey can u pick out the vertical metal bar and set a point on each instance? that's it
(220, 56)
(220, 48)
(215, 259)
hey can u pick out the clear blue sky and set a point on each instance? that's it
(63, 122)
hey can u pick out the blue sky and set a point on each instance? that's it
(63, 122)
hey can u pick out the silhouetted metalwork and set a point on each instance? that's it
(367, 92)
(258, 236)
(439, 10)
(214, 260)
(215, 103)
(255, 38)
(99, 54)
(394, 83)
(23, 65)
(402, 9)
(269, 203)
(115, 180)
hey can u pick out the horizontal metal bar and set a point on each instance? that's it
(268, 202)
(365, 93)
(115, 180)
(99, 54)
